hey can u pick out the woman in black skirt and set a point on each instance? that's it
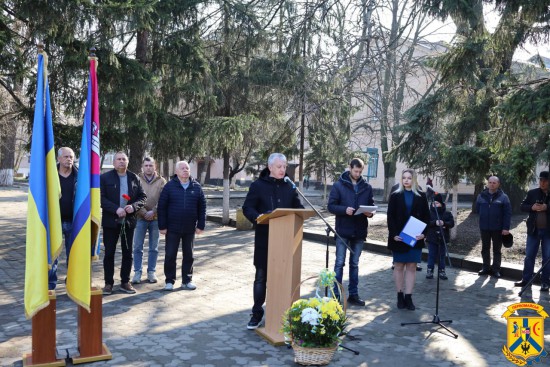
(405, 202)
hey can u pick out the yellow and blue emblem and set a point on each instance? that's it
(525, 334)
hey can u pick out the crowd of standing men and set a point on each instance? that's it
(136, 204)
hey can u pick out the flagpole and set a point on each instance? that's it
(43, 329)
(90, 321)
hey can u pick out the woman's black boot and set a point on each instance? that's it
(400, 300)
(409, 302)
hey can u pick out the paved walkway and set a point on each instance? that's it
(206, 327)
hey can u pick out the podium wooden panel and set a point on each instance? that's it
(43, 337)
(284, 266)
(90, 331)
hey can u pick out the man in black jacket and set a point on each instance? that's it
(181, 214)
(538, 231)
(119, 219)
(347, 195)
(67, 181)
(266, 194)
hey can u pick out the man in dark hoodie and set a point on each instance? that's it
(495, 215)
(266, 194)
(348, 193)
(67, 181)
(438, 235)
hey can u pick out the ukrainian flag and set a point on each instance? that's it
(44, 235)
(87, 211)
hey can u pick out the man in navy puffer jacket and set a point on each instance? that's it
(495, 215)
(347, 194)
(181, 214)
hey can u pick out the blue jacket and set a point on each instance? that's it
(433, 234)
(181, 210)
(265, 195)
(495, 211)
(342, 196)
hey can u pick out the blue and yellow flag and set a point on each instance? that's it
(44, 234)
(87, 211)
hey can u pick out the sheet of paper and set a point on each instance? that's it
(413, 228)
(366, 209)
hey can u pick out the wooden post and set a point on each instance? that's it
(43, 337)
(90, 331)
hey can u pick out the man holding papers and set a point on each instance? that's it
(351, 195)
(408, 214)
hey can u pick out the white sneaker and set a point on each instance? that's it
(169, 287)
(188, 286)
(151, 277)
(137, 277)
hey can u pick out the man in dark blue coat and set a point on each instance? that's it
(347, 194)
(181, 214)
(266, 194)
(495, 215)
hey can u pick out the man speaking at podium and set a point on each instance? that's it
(266, 194)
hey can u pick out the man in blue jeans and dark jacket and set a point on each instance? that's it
(347, 194)
(538, 232)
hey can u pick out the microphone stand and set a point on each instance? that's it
(436, 320)
(328, 230)
(526, 286)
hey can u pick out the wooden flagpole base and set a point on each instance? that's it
(43, 337)
(90, 332)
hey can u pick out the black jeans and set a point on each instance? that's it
(496, 237)
(110, 239)
(260, 287)
(172, 246)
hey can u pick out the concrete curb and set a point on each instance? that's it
(468, 263)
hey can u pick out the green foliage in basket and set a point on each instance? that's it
(315, 322)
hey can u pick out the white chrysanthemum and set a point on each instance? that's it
(310, 316)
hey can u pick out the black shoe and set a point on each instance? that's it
(496, 274)
(255, 321)
(523, 283)
(418, 268)
(484, 272)
(400, 300)
(544, 287)
(355, 300)
(409, 302)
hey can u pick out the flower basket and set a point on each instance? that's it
(313, 356)
(315, 326)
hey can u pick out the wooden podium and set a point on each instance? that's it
(284, 265)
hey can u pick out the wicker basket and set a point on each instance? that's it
(313, 356)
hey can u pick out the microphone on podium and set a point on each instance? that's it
(287, 179)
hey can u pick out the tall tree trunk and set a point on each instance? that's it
(137, 131)
(7, 152)
(225, 209)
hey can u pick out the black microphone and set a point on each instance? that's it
(287, 179)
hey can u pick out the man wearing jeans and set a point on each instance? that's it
(67, 181)
(538, 232)
(347, 194)
(152, 184)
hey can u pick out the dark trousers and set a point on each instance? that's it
(172, 246)
(260, 288)
(496, 238)
(110, 239)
